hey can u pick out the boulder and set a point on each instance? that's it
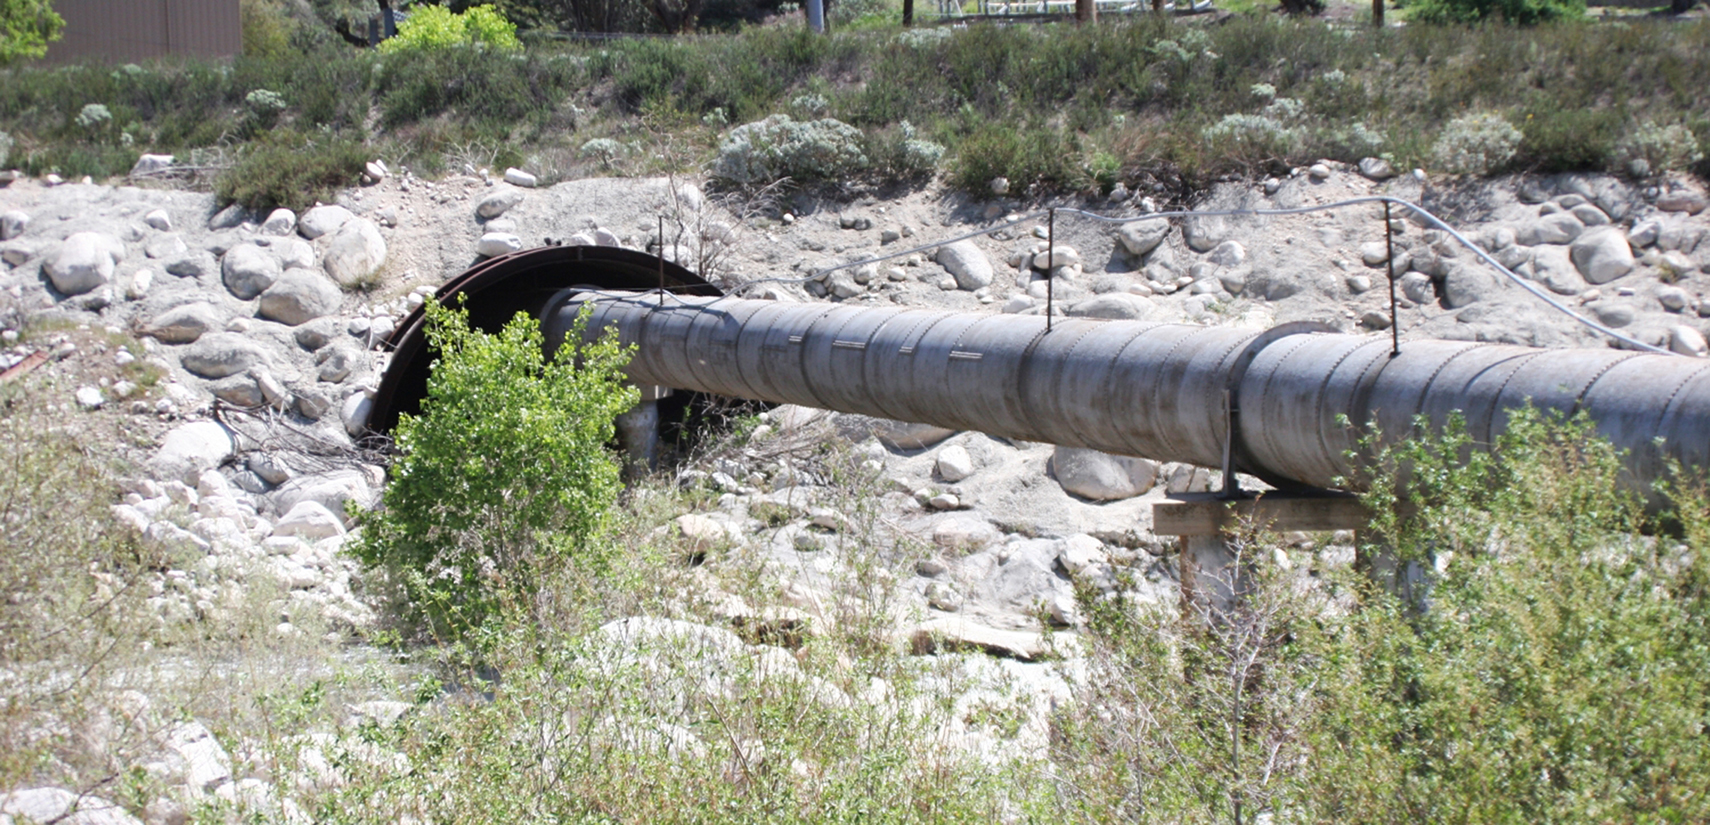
(1469, 283)
(85, 261)
(309, 520)
(517, 177)
(498, 203)
(193, 265)
(335, 363)
(330, 490)
(1141, 237)
(1202, 234)
(219, 354)
(1119, 306)
(954, 463)
(1691, 203)
(1688, 341)
(232, 215)
(248, 270)
(293, 253)
(189, 449)
(1063, 255)
(200, 760)
(905, 435)
(357, 249)
(13, 224)
(322, 220)
(494, 244)
(279, 222)
(300, 295)
(1644, 233)
(150, 164)
(354, 412)
(165, 247)
(1556, 228)
(967, 263)
(1553, 267)
(159, 219)
(1228, 253)
(1376, 168)
(1101, 476)
(1418, 288)
(1602, 255)
(184, 324)
(61, 807)
(965, 532)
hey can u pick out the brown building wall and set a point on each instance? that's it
(129, 30)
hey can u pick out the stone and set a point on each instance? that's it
(1101, 476)
(354, 412)
(13, 224)
(965, 532)
(1644, 233)
(944, 596)
(89, 398)
(967, 263)
(945, 501)
(606, 237)
(375, 171)
(232, 215)
(702, 533)
(1602, 255)
(322, 220)
(61, 807)
(189, 449)
(219, 354)
(331, 490)
(1612, 313)
(193, 265)
(84, 262)
(952, 633)
(159, 219)
(1318, 171)
(318, 333)
(166, 247)
(498, 203)
(1374, 320)
(1204, 233)
(205, 764)
(494, 244)
(356, 251)
(842, 284)
(1673, 298)
(1374, 253)
(1553, 267)
(139, 284)
(1117, 306)
(1469, 283)
(517, 177)
(1418, 288)
(309, 520)
(1688, 341)
(279, 222)
(1062, 256)
(1691, 203)
(248, 270)
(269, 467)
(905, 435)
(1376, 168)
(1228, 253)
(1590, 215)
(1082, 552)
(151, 164)
(1556, 228)
(954, 463)
(239, 390)
(1675, 264)
(1141, 237)
(299, 296)
(335, 364)
(293, 253)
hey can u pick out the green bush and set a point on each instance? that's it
(1477, 144)
(504, 473)
(291, 172)
(1522, 12)
(1026, 156)
(434, 28)
(1547, 667)
(779, 147)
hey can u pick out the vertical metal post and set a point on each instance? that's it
(1394, 316)
(1051, 264)
(662, 258)
(1377, 13)
(816, 16)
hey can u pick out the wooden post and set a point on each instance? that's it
(1377, 20)
(1204, 523)
(908, 13)
(1086, 11)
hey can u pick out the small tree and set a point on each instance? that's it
(26, 29)
(504, 473)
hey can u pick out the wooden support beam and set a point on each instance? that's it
(1206, 515)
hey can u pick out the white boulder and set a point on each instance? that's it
(85, 261)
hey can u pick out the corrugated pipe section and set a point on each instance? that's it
(1169, 392)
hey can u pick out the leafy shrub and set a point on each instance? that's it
(503, 474)
(1039, 156)
(434, 28)
(1477, 144)
(1523, 12)
(266, 29)
(1252, 130)
(26, 27)
(93, 117)
(903, 153)
(1653, 149)
(294, 174)
(780, 147)
(264, 107)
(1353, 142)
(605, 150)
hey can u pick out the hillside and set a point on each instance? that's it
(807, 616)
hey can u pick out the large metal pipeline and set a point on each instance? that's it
(1170, 392)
